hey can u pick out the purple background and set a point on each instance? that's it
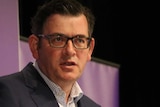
(9, 36)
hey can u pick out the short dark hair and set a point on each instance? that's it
(63, 7)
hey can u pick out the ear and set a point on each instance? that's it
(91, 48)
(33, 44)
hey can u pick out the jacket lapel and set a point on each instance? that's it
(43, 97)
(40, 92)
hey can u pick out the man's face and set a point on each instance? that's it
(63, 64)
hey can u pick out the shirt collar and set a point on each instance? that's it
(76, 92)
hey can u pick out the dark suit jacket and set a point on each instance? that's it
(28, 89)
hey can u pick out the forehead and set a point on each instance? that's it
(69, 25)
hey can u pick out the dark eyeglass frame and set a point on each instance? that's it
(48, 37)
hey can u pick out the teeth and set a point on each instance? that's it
(68, 63)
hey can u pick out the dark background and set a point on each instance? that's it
(118, 40)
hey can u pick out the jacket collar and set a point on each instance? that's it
(40, 92)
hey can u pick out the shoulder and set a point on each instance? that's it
(10, 83)
(13, 79)
(10, 77)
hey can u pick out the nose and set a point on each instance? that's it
(69, 49)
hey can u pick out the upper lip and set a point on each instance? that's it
(68, 63)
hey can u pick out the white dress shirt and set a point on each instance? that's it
(75, 95)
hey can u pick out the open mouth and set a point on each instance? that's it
(68, 63)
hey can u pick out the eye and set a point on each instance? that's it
(80, 40)
(57, 38)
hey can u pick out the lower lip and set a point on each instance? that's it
(67, 67)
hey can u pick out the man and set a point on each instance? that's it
(61, 44)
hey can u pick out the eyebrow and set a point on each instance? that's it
(61, 34)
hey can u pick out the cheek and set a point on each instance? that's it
(54, 56)
(49, 58)
(84, 56)
(44, 53)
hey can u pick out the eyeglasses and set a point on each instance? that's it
(60, 40)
